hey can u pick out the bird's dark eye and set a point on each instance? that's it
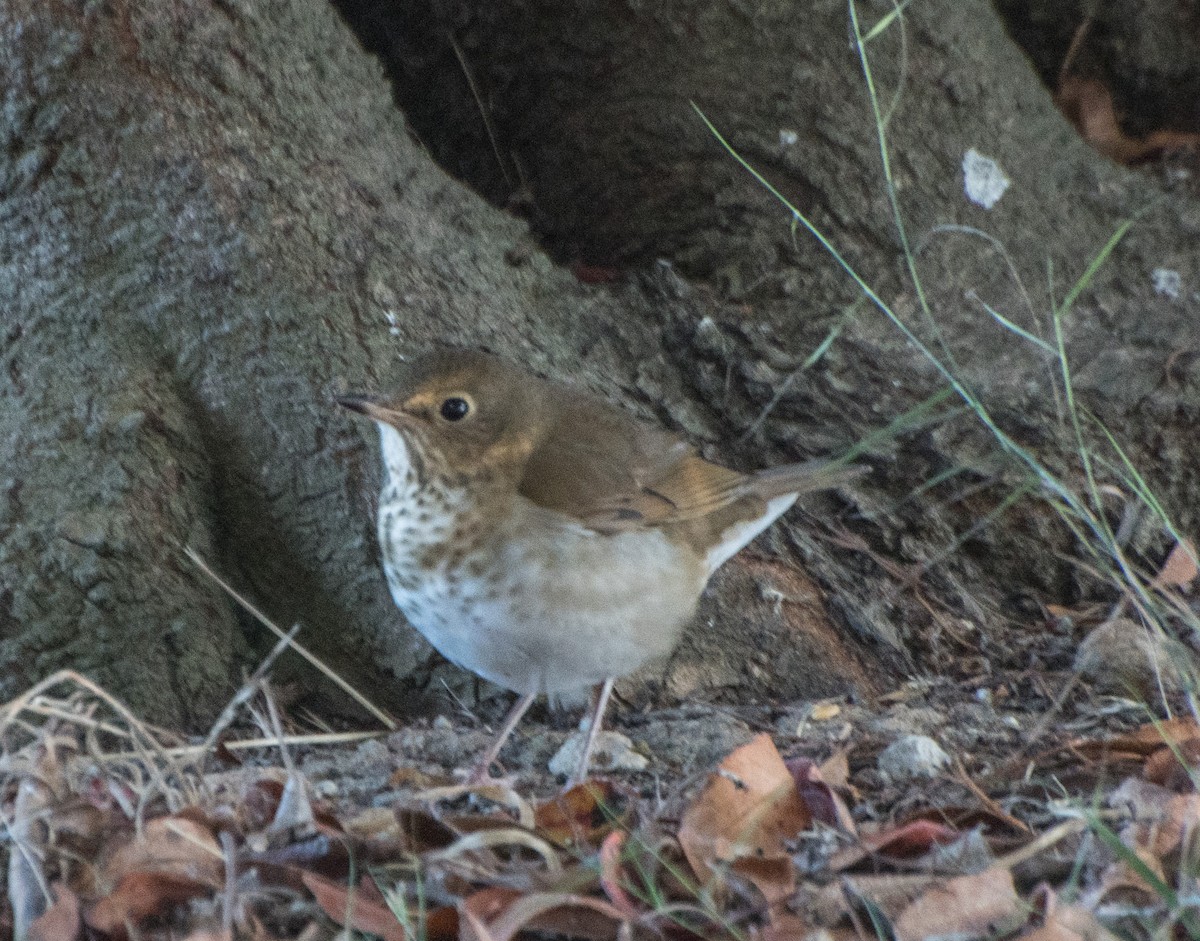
(455, 409)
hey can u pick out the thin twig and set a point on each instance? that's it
(295, 645)
(249, 744)
(965, 780)
(1044, 842)
(246, 692)
(483, 111)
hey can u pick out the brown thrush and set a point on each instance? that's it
(548, 541)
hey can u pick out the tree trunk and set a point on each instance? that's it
(1146, 54)
(215, 219)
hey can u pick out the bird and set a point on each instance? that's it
(546, 540)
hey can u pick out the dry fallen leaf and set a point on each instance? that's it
(1161, 821)
(500, 914)
(773, 876)
(1123, 884)
(750, 807)
(968, 906)
(1069, 923)
(60, 922)
(818, 795)
(1180, 569)
(906, 841)
(140, 895)
(584, 814)
(1140, 743)
(172, 860)
(835, 770)
(1088, 104)
(1174, 767)
(823, 712)
(612, 878)
(890, 894)
(365, 910)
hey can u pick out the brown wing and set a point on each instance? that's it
(598, 465)
(612, 473)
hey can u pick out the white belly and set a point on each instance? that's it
(555, 613)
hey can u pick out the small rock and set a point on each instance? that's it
(824, 711)
(613, 752)
(372, 750)
(1124, 657)
(910, 757)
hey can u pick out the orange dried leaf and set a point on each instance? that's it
(907, 841)
(61, 921)
(1165, 834)
(501, 914)
(179, 847)
(835, 770)
(788, 927)
(141, 895)
(750, 807)
(913, 839)
(1139, 743)
(1180, 568)
(363, 909)
(984, 904)
(1174, 767)
(1069, 923)
(488, 903)
(1088, 104)
(584, 813)
(612, 878)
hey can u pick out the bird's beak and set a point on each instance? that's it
(365, 405)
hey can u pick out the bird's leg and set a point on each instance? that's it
(482, 772)
(605, 691)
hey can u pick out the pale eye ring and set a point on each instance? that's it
(455, 408)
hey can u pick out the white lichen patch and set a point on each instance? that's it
(1167, 282)
(983, 180)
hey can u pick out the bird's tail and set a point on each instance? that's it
(802, 478)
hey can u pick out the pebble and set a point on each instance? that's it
(911, 757)
(613, 752)
(372, 750)
(1123, 657)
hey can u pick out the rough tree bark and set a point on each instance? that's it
(214, 218)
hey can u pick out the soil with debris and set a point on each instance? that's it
(1030, 805)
